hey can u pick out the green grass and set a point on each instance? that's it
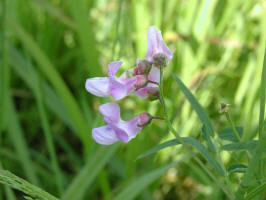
(49, 47)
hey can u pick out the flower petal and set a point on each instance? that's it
(128, 83)
(149, 92)
(117, 90)
(130, 127)
(155, 44)
(104, 135)
(154, 74)
(110, 112)
(113, 67)
(120, 133)
(98, 86)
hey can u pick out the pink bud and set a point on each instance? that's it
(141, 81)
(143, 68)
(144, 119)
(153, 94)
(159, 59)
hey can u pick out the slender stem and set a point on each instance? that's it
(149, 81)
(228, 116)
(160, 118)
(229, 119)
(174, 132)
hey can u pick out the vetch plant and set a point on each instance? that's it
(143, 80)
(52, 146)
(146, 81)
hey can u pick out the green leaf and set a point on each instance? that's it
(227, 134)
(158, 148)
(84, 179)
(240, 146)
(196, 106)
(237, 168)
(256, 191)
(195, 143)
(205, 153)
(140, 183)
(207, 138)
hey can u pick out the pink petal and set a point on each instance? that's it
(154, 74)
(113, 67)
(145, 92)
(120, 133)
(130, 127)
(155, 44)
(117, 89)
(110, 112)
(98, 86)
(104, 135)
(128, 83)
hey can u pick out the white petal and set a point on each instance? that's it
(104, 135)
(98, 86)
(111, 112)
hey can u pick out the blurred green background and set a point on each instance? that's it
(49, 48)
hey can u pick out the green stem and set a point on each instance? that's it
(179, 139)
(228, 116)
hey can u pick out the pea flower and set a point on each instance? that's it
(117, 129)
(113, 86)
(157, 52)
(156, 48)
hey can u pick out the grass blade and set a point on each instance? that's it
(54, 103)
(86, 36)
(11, 180)
(255, 160)
(54, 77)
(83, 180)
(196, 106)
(256, 191)
(56, 12)
(4, 70)
(16, 136)
(48, 135)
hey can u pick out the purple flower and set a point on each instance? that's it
(156, 45)
(117, 129)
(113, 86)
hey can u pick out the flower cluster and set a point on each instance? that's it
(142, 80)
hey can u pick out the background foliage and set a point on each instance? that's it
(50, 47)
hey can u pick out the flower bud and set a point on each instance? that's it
(159, 59)
(153, 93)
(141, 81)
(223, 108)
(144, 119)
(143, 68)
